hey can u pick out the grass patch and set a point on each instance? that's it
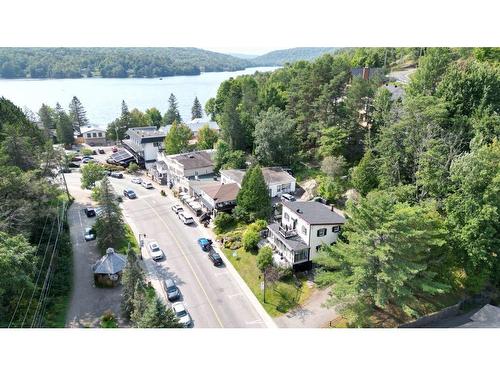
(280, 297)
(129, 237)
(304, 172)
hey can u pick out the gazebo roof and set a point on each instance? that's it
(110, 263)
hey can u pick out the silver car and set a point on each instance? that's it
(182, 314)
(89, 234)
(173, 292)
(155, 251)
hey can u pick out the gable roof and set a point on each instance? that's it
(315, 212)
(487, 317)
(221, 192)
(272, 175)
(195, 159)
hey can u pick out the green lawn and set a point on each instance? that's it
(281, 297)
(122, 247)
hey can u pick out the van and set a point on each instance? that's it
(185, 218)
(147, 185)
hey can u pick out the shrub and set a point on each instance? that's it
(250, 239)
(258, 225)
(108, 320)
(223, 222)
(113, 168)
(133, 168)
(264, 258)
(86, 152)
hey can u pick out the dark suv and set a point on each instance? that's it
(89, 211)
(215, 258)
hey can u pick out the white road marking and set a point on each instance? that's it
(235, 295)
(258, 321)
(188, 262)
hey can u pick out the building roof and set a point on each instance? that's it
(89, 130)
(487, 317)
(221, 192)
(315, 212)
(272, 175)
(294, 243)
(147, 134)
(194, 160)
(111, 263)
(195, 125)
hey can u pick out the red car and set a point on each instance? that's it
(114, 149)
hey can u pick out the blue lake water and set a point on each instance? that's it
(102, 97)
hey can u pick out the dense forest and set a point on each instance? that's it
(281, 57)
(35, 250)
(112, 62)
(418, 177)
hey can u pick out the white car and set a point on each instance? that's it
(287, 197)
(137, 180)
(182, 314)
(147, 185)
(155, 251)
(177, 208)
(185, 218)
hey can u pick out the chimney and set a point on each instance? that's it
(366, 73)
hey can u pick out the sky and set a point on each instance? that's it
(251, 26)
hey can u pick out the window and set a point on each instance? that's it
(321, 232)
(88, 135)
(301, 255)
(94, 135)
(304, 230)
(157, 144)
(100, 134)
(286, 216)
(336, 228)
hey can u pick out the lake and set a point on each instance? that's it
(102, 97)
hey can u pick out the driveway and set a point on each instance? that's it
(88, 303)
(310, 315)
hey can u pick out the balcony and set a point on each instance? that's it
(287, 233)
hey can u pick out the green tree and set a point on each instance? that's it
(226, 159)
(250, 239)
(332, 141)
(253, 201)
(138, 119)
(132, 280)
(91, 173)
(172, 115)
(47, 117)
(207, 138)
(140, 302)
(17, 148)
(274, 138)
(196, 110)
(64, 127)
(158, 316)
(110, 228)
(210, 108)
(177, 139)
(264, 258)
(233, 132)
(331, 188)
(17, 266)
(154, 117)
(333, 166)
(223, 221)
(364, 175)
(474, 213)
(78, 115)
(382, 109)
(389, 258)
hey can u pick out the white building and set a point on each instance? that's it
(304, 228)
(144, 143)
(277, 180)
(180, 168)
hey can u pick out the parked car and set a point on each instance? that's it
(111, 161)
(288, 197)
(116, 175)
(89, 211)
(177, 208)
(76, 158)
(114, 149)
(185, 218)
(88, 161)
(173, 292)
(137, 180)
(182, 314)
(147, 184)
(155, 251)
(215, 258)
(89, 234)
(101, 151)
(129, 193)
(205, 244)
(94, 152)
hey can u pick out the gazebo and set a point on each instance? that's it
(108, 270)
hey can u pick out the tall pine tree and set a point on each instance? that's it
(196, 110)
(64, 127)
(253, 201)
(78, 115)
(172, 113)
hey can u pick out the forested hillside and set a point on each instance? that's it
(423, 173)
(281, 57)
(35, 251)
(112, 62)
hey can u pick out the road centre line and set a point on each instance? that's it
(188, 262)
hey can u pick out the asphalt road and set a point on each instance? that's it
(211, 294)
